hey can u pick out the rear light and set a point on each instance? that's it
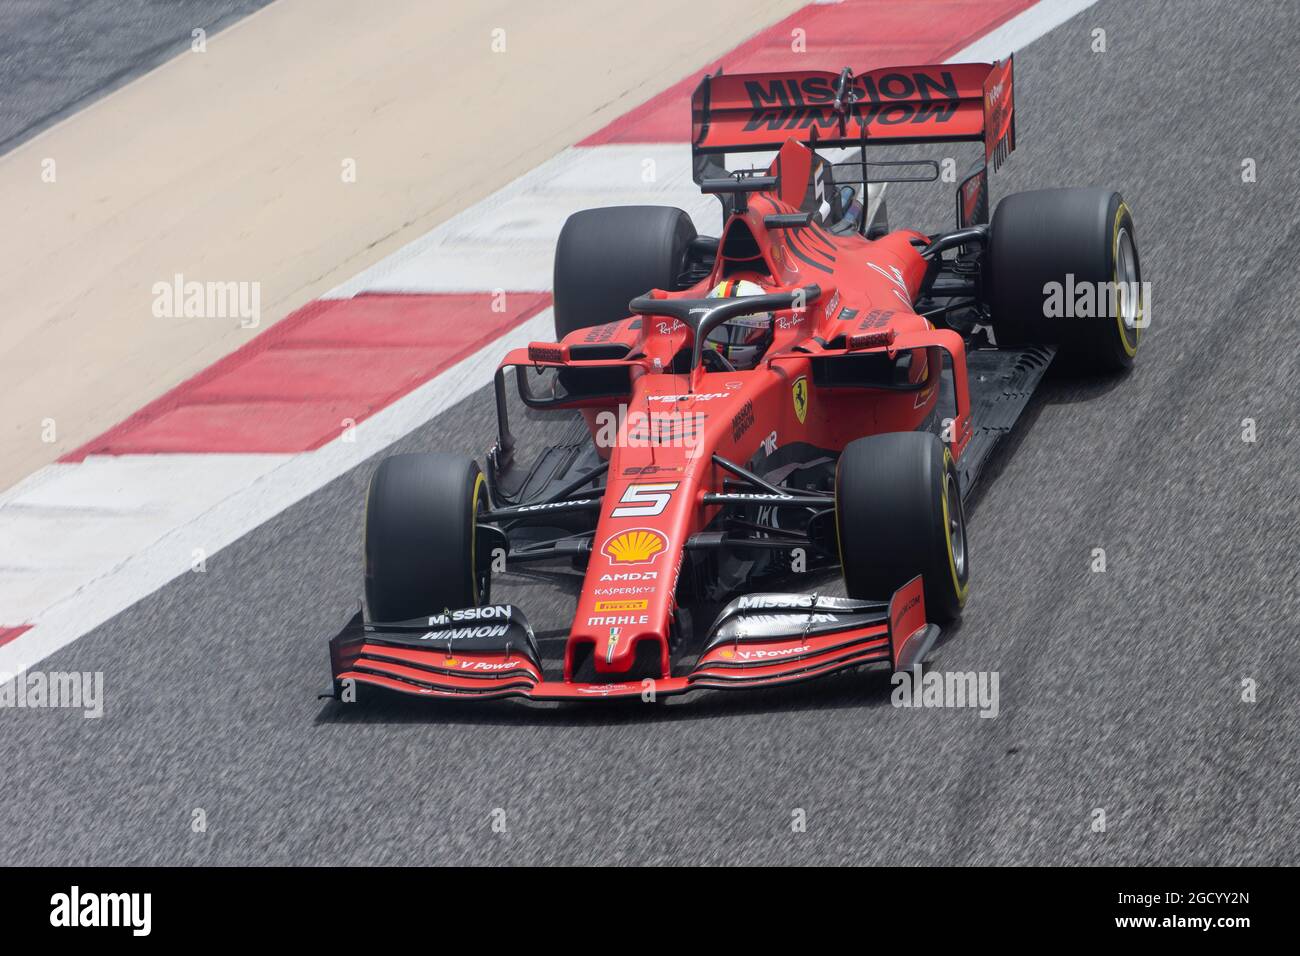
(872, 340)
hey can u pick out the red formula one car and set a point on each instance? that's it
(808, 390)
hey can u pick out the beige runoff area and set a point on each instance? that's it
(228, 166)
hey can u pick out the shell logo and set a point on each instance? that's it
(637, 546)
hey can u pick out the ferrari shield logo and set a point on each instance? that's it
(800, 393)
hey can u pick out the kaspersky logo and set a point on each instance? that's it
(635, 546)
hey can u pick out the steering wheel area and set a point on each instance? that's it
(702, 316)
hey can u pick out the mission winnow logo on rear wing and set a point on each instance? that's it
(953, 102)
(786, 103)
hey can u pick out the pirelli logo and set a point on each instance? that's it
(638, 605)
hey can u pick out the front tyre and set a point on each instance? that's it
(898, 512)
(422, 551)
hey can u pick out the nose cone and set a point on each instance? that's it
(650, 506)
(628, 597)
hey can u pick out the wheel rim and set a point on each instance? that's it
(1126, 274)
(956, 525)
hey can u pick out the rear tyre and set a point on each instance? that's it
(605, 258)
(421, 549)
(1041, 237)
(898, 514)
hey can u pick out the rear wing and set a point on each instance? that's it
(950, 102)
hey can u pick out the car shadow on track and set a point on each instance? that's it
(1056, 389)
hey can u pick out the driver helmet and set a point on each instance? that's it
(742, 340)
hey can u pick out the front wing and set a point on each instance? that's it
(760, 640)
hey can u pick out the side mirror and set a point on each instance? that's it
(548, 353)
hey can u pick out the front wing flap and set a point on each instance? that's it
(760, 640)
(470, 652)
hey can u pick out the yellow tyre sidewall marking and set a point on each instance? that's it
(1130, 350)
(959, 588)
(473, 536)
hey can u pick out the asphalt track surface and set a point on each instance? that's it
(57, 56)
(1119, 690)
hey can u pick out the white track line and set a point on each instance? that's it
(125, 549)
(1021, 30)
(508, 240)
(70, 524)
(269, 489)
